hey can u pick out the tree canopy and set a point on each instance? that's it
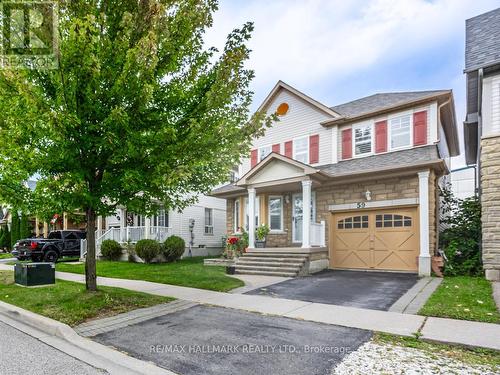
(139, 111)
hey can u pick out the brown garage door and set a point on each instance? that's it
(383, 239)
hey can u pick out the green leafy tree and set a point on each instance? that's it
(461, 238)
(139, 111)
(6, 239)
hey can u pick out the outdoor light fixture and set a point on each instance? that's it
(368, 195)
(287, 199)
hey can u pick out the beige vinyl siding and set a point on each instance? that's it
(302, 120)
(431, 122)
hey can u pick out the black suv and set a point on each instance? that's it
(59, 243)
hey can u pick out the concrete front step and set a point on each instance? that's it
(265, 273)
(275, 255)
(266, 268)
(243, 262)
(272, 259)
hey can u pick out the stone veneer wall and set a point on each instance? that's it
(383, 189)
(490, 202)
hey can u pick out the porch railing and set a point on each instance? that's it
(317, 233)
(131, 234)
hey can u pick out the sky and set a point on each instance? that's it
(340, 50)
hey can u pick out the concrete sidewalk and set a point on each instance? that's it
(436, 329)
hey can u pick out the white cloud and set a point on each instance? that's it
(309, 42)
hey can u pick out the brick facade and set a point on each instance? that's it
(490, 202)
(383, 189)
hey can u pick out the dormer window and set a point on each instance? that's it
(362, 139)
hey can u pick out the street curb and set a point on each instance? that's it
(86, 350)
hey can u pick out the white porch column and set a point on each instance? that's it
(147, 226)
(99, 225)
(306, 213)
(251, 218)
(424, 259)
(123, 221)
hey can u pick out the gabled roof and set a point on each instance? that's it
(283, 86)
(307, 169)
(482, 41)
(380, 101)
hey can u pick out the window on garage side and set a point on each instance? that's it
(392, 221)
(353, 222)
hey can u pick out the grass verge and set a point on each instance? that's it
(70, 303)
(471, 356)
(465, 298)
(188, 272)
(5, 255)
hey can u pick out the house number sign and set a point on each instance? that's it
(361, 205)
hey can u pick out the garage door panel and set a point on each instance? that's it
(382, 239)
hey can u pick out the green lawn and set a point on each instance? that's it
(463, 297)
(186, 272)
(5, 255)
(472, 356)
(70, 303)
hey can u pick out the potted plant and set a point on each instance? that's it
(261, 233)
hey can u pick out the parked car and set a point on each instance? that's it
(58, 244)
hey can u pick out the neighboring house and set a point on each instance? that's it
(463, 182)
(207, 219)
(482, 127)
(367, 171)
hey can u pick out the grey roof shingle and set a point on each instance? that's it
(390, 160)
(228, 189)
(380, 101)
(482, 40)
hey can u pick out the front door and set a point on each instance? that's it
(297, 215)
(297, 218)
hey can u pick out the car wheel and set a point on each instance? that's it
(51, 256)
(36, 258)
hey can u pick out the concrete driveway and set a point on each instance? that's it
(214, 340)
(369, 290)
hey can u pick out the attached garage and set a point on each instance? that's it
(382, 239)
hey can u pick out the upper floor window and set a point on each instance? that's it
(264, 151)
(301, 150)
(362, 139)
(209, 221)
(400, 130)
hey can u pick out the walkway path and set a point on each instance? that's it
(437, 329)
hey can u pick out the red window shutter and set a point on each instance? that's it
(347, 144)
(276, 148)
(381, 136)
(253, 158)
(289, 149)
(314, 149)
(420, 128)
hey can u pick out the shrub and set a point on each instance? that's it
(111, 250)
(460, 240)
(147, 250)
(173, 248)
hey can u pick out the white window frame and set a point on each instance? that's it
(236, 221)
(294, 151)
(389, 125)
(372, 138)
(270, 147)
(166, 218)
(209, 228)
(280, 197)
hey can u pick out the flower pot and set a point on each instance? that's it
(260, 244)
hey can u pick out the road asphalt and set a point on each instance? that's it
(22, 354)
(214, 340)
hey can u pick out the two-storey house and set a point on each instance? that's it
(354, 186)
(482, 127)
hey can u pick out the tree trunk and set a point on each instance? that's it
(90, 260)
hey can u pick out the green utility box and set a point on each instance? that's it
(32, 274)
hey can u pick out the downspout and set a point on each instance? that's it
(480, 75)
